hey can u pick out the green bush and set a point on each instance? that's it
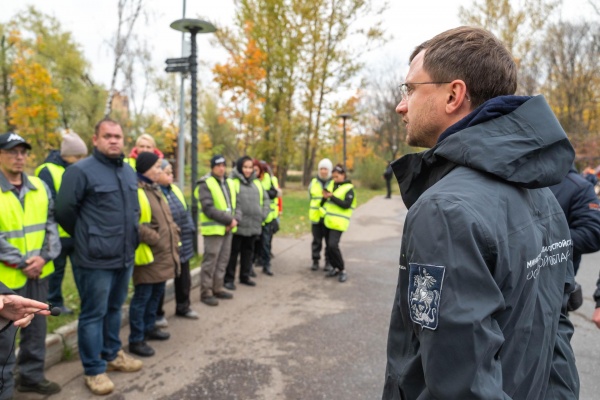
(369, 171)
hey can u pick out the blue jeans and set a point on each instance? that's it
(55, 279)
(102, 293)
(142, 309)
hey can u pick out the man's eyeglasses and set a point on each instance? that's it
(406, 88)
(16, 152)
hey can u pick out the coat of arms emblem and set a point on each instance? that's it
(424, 294)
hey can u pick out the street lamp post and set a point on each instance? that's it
(345, 116)
(194, 26)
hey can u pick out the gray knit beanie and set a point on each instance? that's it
(72, 145)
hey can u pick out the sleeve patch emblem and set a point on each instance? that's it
(424, 294)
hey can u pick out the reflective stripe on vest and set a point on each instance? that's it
(143, 253)
(208, 226)
(25, 229)
(336, 217)
(268, 183)
(316, 195)
(56, 172)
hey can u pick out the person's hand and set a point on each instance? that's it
(596, 317)
(234, 223)
(34, 267)
(21, 310)
(327, 194)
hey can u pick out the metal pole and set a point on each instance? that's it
(194, 118)
(344, 118)
(181, 136)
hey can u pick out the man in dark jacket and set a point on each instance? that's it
(97, 205)
(485, 267)
(577, 198)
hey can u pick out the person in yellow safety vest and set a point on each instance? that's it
(315, 190)
(219, 216)
(144, 143)
(156, 258)
(29, 242)
(253, 203)
(264, 243)
(337, 207)
(72, 149)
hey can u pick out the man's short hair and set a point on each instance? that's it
(473, 55)
(104, 120)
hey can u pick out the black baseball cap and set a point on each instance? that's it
(9, 140)
(217, 159)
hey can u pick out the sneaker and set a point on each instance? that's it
(161, 322)
(157, 334)
(315, 266)
(43, 387)
(210, 301)
(123, 363)
(332, 272)
(141, 349)
(327, 268)
(343, 276)
(224, 295)
(189, 314)
(229, 285)
(99, 384)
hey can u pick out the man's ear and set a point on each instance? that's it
(458, 99)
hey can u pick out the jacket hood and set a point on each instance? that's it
(237, 174)
(526, 147)
(134, 153)
(55, 158)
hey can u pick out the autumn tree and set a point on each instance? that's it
(33, 109)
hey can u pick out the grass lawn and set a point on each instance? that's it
(294, 223)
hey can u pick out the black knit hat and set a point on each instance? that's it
(145, 161)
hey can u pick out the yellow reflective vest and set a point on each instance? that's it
(336, 217)
(143, 253)
(56, 172)
(269, 182)
(25, 228)
(315, 189)
(210, 227)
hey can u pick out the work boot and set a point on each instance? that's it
(157, 334)
(123, 363)
(99, 384)
(43, 387)
(248, 282)
(141, 349)
(210, 301)
(315, 266)
(267, 271)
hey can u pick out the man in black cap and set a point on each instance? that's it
(29, 242)
(97, 204)
(217, 197)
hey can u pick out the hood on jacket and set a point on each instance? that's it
(134, 153)
(55, 158)
(237, 174)
(526, 147)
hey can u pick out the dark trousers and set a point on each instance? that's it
(183, 285)
(32, 348)
(55, 280)
(333, 238)
(388, 185)
(266, 240)
(142, 309)
(244, 247)
(318, 234)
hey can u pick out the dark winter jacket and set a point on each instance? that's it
(485, 266)
(162, 235)
(578, 200)
(248, 200)
(183, 219)
(97, 205)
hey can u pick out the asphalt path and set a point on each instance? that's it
(299, 335)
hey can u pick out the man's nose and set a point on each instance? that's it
(402, 107)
